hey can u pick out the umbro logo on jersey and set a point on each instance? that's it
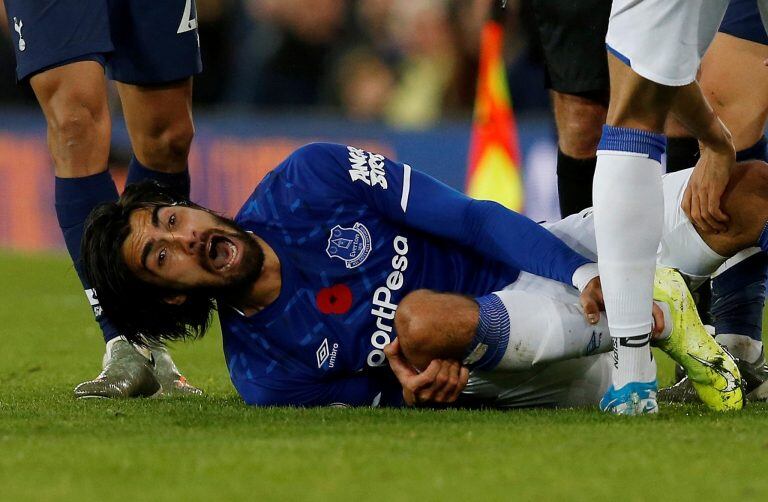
(323, 354)
(351, 245)
(367, 167)
(17, 26)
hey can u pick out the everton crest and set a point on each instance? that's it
(352, 245)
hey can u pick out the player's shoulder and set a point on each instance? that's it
(312, 161)
(310, 173)
(305, 165)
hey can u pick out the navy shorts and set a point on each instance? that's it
(742, 20)
(139, 41)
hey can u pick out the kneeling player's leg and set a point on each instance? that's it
(739, 287)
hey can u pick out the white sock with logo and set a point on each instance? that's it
(629, 212)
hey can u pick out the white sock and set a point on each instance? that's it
(633, 360)
(144, 351)
(543, 330)
(629, 213)
(741, 346)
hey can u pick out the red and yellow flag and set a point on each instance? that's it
(494, 154)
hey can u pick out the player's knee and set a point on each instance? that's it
(579, 124)
(579, 136)
(434, 325)
(166, 147)
(75, 117)
(412, 322)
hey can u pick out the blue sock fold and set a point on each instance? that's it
(75, 198)
(492, 335)
(624, 139)
(178, 182)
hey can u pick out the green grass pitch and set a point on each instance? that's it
(215, 448)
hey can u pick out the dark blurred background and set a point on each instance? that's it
(397, 76)
(407, 63)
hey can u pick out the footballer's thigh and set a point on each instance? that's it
(61, 47)
(735, 82)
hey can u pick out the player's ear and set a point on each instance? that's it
(176, 299)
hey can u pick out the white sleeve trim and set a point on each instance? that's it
(584, 274)
(406, 187)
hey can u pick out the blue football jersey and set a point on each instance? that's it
(354, 233)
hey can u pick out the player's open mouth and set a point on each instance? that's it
(222, 253)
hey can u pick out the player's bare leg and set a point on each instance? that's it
(74, 102)
(159, 122)
(579, 120)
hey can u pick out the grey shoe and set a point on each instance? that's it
(169, 376)
(126, 373)
(754, 380)
(681, 392)
(755, 376)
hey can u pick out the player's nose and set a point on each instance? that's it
(190, 240)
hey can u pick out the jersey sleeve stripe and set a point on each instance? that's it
(406, 186)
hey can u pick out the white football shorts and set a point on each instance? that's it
(664, 40)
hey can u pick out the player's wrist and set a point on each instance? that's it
(718, 138)
(584, 274)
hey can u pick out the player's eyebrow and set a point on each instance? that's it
(145, 253)
(155, 217)
(148, 246)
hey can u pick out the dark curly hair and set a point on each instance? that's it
(138, 309)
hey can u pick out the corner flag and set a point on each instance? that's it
(494, 155)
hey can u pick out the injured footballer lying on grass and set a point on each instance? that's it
(350, 279)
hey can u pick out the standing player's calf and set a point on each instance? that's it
(142, 45)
